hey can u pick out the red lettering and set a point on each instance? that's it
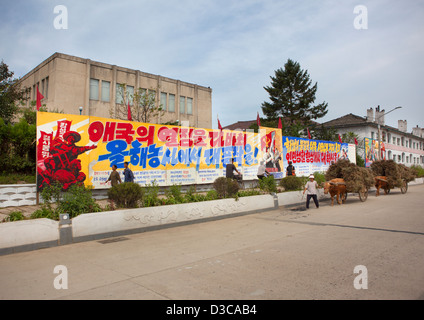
(95, 131)
(109, 133)
(125, 132)
(199, 137)
(146, 134)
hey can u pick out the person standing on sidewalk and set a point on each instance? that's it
(311, 188)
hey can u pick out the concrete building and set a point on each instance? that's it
(401, 146)
(68, 83)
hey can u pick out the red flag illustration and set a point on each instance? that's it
(258, 120)
(280, 125)
(39, 98)
(129, 112)
(356, 141)
(340, 139)
(309, 135)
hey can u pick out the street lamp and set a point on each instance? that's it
(80, 109)
(379, 134)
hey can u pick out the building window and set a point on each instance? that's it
(130, 94)
(119, 94)
(105, 91)
(46, 89)
(163, 100)
(42, 87)
(171, 102)
(182, 104)
(189, 105)
(94, 89)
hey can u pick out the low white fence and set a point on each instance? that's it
(15, 195)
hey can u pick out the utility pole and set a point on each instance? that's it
(379, 129)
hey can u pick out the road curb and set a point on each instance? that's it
(27, 235)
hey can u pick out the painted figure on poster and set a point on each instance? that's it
(63, 164)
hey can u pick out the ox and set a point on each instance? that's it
(381, 183)
(336, 187)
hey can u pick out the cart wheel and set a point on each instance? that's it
(344, 198)
(363, 195)
(404, 187)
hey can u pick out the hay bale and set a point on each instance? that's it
(407, 174)
(356, 177)
(395, 173)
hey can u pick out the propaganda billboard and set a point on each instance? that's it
(75, 149)
(309, 156)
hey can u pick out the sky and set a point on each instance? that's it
(235, 46)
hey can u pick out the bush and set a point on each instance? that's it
(319, 177)
(293, 183)
(45, 212)
(75, 201)
(419, 171)
(211, 195)
(78, 200)
(174, 194)
(126, 195)
(14, 216)
(268, 184)
(248, 193)
(151, 195)
(225, 187)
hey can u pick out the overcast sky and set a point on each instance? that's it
(235, 46)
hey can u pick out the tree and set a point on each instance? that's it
(292, 96)
(143, 105)
(10, 93)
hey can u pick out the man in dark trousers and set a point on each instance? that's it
(128, 174)
(229, 169)
(114, 177)
(290, 170)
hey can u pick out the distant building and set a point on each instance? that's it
(68, 83)
(240, 125)
(400, 145)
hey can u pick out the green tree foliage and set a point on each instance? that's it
(292, 96)
(10, 93)
(143, 105)
(17, 142)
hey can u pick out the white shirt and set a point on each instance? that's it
(311, 187)
(261, 170)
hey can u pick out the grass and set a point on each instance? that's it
(15, 178)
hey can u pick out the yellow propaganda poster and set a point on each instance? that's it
(73, 149)
(272, 150)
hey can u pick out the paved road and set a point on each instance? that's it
(280, 254)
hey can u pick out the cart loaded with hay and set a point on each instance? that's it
(353, 178)
(389, 175)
